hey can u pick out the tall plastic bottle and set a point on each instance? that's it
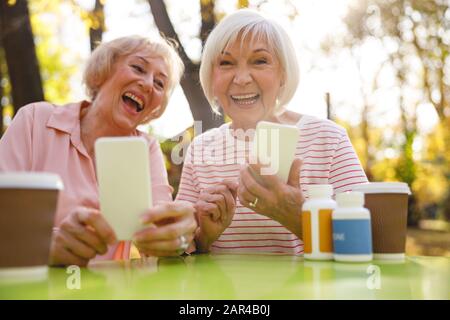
(352, 234)
(317, 222)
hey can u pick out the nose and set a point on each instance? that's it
(242, 76)
(146, 83)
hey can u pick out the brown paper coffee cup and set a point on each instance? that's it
(388, 206)
(27, 209)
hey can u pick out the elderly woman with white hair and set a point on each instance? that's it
(249, 69)
(129, 81)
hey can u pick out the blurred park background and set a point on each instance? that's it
(380, 68)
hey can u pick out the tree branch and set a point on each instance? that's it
(199, 105)
(20, 54)
(97, 24)
(165, 26)
(208, 19)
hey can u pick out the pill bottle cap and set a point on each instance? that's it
(350, 199)
(320, 190)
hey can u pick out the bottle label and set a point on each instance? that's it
(317, 233)
(325, 233)
(352, 236)
(306, 226)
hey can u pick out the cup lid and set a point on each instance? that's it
(382, 187)
(31, 180)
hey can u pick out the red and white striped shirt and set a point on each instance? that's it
(328, 158)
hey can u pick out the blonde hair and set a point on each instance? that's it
(101, 62)
(250, 24)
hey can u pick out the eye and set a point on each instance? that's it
(159, 84)
(138, 68)
(261, 61)
(225, 63)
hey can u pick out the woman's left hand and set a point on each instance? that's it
(171, 230)
(270, 196)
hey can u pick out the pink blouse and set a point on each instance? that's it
(45, 137)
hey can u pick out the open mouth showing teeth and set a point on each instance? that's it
(245, 98)
(133, 101)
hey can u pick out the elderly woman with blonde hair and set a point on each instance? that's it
(249, 69)
(129, 81)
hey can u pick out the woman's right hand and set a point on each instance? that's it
(214, 211)
(82, 235)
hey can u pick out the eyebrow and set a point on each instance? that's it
(254, 51)
(148, 62)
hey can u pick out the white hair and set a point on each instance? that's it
(244, 23)
(100, 65)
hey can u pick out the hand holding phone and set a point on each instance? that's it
(123, 174)
(274, 147)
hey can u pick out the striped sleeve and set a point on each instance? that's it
(188, 189)
(346, 169)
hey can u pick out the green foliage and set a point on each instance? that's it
(408, 31)
(405, 169)
(57, 63)
(6, 106)
(436, 157)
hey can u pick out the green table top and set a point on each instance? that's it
(240, 277)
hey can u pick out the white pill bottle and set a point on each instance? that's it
(352, 233)
(317, 222)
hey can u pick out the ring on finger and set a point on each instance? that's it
(183, 243)
(254, 203)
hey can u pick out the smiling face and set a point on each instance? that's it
(246, 80)
(136, 87)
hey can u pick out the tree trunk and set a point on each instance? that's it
(365, 128)
(200, 108)
(208, 19)
(97, 25)
(2, 91)
(1, 105)
(20, 54)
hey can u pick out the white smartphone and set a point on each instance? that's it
(123, 174)
(274, 147)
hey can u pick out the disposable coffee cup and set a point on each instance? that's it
(388, 206)
(28, 203)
